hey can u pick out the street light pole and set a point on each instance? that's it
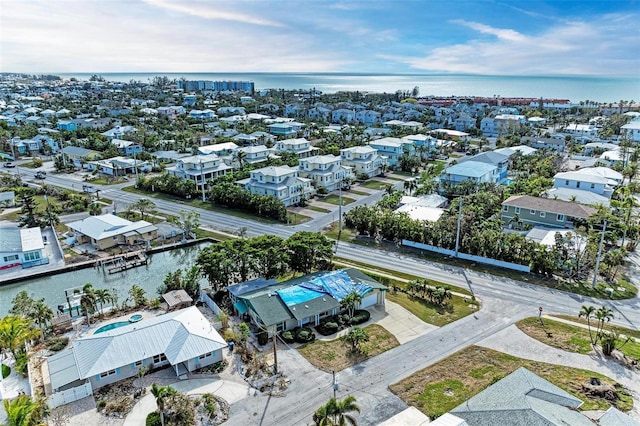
(135, 165)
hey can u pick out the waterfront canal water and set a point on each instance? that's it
(149, 277)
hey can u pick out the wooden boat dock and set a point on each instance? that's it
(123, 262)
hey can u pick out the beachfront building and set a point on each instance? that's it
(183, 340)
(363, 160)
(199, 168)
(280, 182)
(109, 230)
(21, 247)
(324, 171)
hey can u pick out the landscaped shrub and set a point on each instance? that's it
(304, 335)
(6, 370)
(343, 319)
(22, 360)
(328, 328)
(360, 316)
(153, 419)
(57, 343)
(288, 336)
(230, 335)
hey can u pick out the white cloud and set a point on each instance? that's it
(603, 46)
(212, 10)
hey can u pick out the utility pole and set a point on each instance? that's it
(335, 384)
(459, 225)
(339, 211)
(595, 272)
(135, 165)
(275, 352)
(202, 180)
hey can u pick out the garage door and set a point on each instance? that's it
(369, 299)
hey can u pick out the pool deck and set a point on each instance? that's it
(86, 332)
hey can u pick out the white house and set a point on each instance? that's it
(184, 340)
(585, 182)
(324, 170)
(631, 130)
(300, 146)
(21, 247)
(280, 182)
(199, 168)
(109, 230)
(363, 160)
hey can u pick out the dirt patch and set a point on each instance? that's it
(117, 400)
(447, 384)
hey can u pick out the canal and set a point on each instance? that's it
(149, 277)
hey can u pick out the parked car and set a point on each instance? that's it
(9, 165)
(40, 175)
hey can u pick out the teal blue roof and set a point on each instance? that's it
(470, 169)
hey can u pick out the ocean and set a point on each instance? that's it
(575, 88)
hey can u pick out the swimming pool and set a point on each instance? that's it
(111, 326)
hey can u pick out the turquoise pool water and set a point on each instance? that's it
(111, 326)
(135, 318)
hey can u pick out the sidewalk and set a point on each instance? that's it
(514, 342)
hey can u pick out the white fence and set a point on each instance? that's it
(465, 256)
(64, 397)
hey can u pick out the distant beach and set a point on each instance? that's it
(576, 88)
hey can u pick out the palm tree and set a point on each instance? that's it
(356, 336)
(162, 393)
(410, 185)
(350, 301)
(102, 296)
(42, 314)
(603, 314)
(15, 331)
(137, 295)
(336, 412)
(24, 411)
(587, 312)
(88, 301)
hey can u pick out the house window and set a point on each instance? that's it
(543, 214)
(10, 258)
(107, 374)
(138, 363)
(203, 356)
(532, 212)
(505, 209)
(577, 184)
(560, 218)
(159, 358)
(517, 210)
(566, 182)
(593, 185)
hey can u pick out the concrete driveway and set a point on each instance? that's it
(403, 324)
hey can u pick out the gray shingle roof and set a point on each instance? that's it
(550, 206)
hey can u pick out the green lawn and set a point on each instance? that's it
(431, 313)
(572, 338)
(335, 199)
(438, 166)
(441, 387)
(109, 181)
(318, 209)
(296, 218)
(364, 194)
(336, 354)
(376, 185)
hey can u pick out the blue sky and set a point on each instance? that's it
(387, 36)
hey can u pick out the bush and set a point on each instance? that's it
(6, 370)
(288, 336)
(304, 335)
(359, 317)
(22, 361)
(230, 335)
(153, 419)
(101, 404)
(57, 343)
(328, 328)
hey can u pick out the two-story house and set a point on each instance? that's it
(470, 170)
(368, 117)
(300, 146)
(280, 182)
(319, 113)
(392, 148)
(118, 132)
(631, 130)
(253, 154)
(585, 182)
(127, 148)
(199, 168)
(343, 116)
(521, 210)
(286, 130)
(424, 144)
(500, 161)
(324, 170)
(363, 160)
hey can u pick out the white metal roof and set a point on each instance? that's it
(107, 225)
(31, 239)
(180, 335)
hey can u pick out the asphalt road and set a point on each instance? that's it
(504, 301)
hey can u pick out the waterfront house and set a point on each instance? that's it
(364, 160)
(21, 247)
(280, 182)
(199, 168)
(183, 340)
(537, 211)
(109, 230)
(304, 300)
(324, 171)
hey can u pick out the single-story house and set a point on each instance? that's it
(21, 247)
(543, 211)
(109, 230)
(184, 340)
(304, 300)
(524, 398)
